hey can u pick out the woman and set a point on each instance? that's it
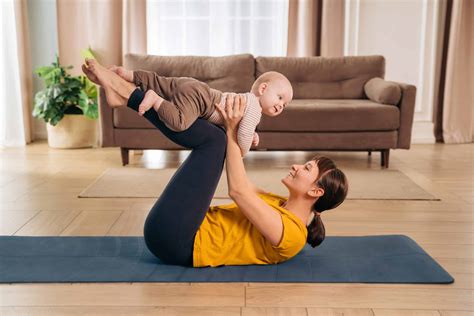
(260, 227)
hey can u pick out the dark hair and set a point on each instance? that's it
(334, 183)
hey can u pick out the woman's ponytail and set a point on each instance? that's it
(334, 183)
(316, 231)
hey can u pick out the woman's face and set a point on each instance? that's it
(301, 178)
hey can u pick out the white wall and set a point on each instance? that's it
(42, 24)
(407, 33)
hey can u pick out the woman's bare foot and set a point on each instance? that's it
(113, 98)
(90, 75)
(122, 72)
(117, 90)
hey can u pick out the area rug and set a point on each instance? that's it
(149, 183)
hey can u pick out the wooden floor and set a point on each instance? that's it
(38, 194)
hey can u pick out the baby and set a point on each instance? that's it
(179, 101)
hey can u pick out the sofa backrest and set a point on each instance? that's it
(234, 73)
(312, 77)
(325, 77)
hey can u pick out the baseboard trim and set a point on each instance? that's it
(40, 135)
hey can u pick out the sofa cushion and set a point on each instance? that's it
(382, 91)
(234, 73)
(325, 77)
(339, 115)
(327, 140)
(306, 116)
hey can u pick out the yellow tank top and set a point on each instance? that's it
(227, 237)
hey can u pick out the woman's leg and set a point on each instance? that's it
(177, 215)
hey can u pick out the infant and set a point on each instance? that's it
(179, 101)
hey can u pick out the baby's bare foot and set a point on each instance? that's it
(122, 72)
(151, 100)
(117, 90)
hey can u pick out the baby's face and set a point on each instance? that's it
(275, 98)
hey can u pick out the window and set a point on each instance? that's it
(217, 27)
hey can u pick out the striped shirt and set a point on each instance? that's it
(248, 124)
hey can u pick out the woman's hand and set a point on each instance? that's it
(233, 112)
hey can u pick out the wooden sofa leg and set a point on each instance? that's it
(124, 152)
(384, 155)
(370, 152)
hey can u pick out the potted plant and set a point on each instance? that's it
(69, 107)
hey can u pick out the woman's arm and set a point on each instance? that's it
(241, 190)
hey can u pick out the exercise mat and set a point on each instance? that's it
(339, 259)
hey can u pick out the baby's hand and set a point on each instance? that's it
(122, 72)
(255, 140)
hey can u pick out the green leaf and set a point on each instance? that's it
(44, 70)
(87, 53)
(56, 90)
(90, 88)
(92, 111)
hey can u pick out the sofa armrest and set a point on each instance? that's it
(106, 121)
(407, 112)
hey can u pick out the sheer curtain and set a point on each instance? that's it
(217, 27)
(15, 85)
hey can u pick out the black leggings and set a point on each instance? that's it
(175, 218)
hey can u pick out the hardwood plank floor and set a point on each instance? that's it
(38, 197)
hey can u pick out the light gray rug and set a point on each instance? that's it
(131, 182)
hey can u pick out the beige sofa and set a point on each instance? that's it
(337, 103)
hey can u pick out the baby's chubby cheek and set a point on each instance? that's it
(268, 112)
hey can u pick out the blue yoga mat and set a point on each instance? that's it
(366, 259)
